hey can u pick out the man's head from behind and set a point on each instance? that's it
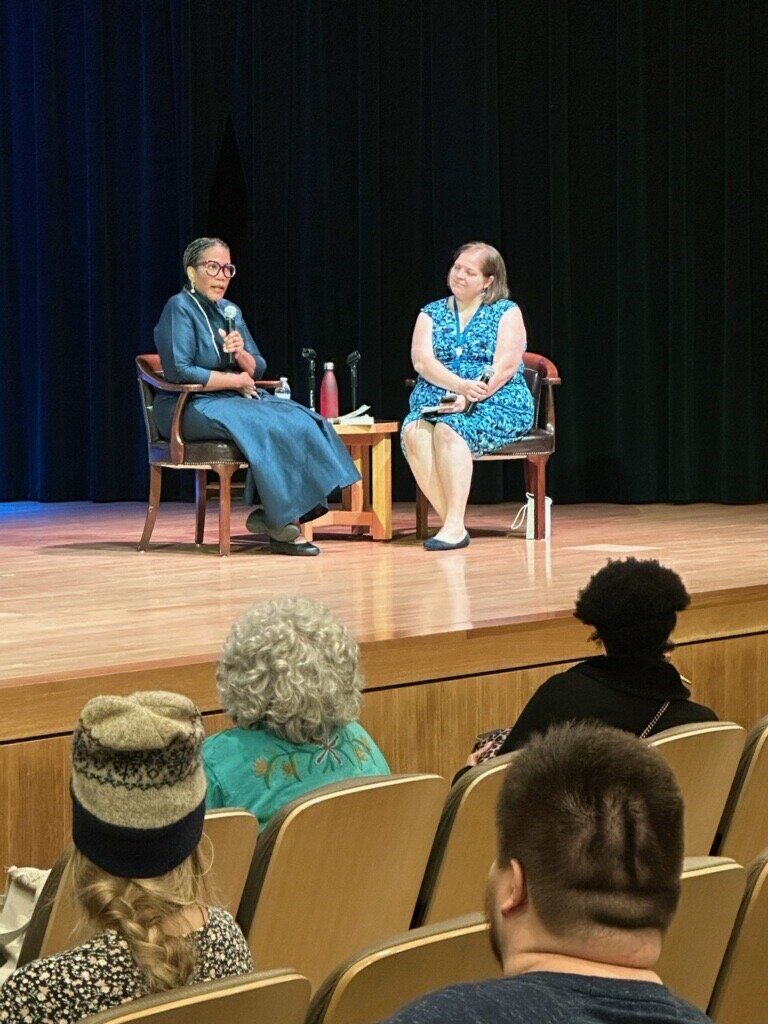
(590, 848)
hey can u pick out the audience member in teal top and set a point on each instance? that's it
(289, 678)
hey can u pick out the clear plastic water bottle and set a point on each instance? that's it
(282, 390)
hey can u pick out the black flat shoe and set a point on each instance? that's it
(280, 547)
(255, 524)
(441, 545)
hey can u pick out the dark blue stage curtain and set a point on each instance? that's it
(615, 150)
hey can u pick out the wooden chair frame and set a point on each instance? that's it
(224, 457)
(535, 447)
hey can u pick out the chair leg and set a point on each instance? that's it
(536, 484)
(155, 484)
(201, 496)
(422, 514)
(225, 473)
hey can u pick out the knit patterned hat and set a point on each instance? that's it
(138, 785)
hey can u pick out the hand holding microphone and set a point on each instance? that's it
(477, 390)
(233, 340)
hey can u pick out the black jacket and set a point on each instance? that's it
(625, 692)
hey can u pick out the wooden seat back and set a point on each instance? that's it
(53, 927)
(374, 984)
(693, 949)
(703, 757)
(279, 996)
(743, 831)
(339, 868)
(741, 990)
(232, 833)
(464, 846)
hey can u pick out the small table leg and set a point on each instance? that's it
(381, 486)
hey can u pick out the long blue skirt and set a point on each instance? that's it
(295, 457)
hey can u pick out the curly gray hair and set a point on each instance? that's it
(288, 666)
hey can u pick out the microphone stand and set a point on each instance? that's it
(352, 360)
(310, 355)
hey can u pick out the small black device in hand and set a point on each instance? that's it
(484, 377)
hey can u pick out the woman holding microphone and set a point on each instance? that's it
(471, 397)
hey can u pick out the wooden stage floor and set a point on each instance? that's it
(76, 596)
(453, 643)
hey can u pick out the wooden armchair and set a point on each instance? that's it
(223, 458)
(541, 376)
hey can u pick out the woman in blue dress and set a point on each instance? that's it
(455, 339)
(295, 457)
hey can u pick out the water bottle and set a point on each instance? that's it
(282, 390)
(329, 393)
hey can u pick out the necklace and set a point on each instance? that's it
(207, 321)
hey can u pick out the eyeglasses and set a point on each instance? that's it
(212, 268)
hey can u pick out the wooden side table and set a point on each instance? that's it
(367, 505)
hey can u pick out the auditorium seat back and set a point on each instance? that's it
(375, 983)
(339, 868)
(53, 927)
(743, 831)
(695, 944)
(464, 846)
(277, 997)
(741, 990)
(232, 833)
(704, 757)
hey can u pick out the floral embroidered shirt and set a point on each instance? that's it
(254, 769)
(101, 974)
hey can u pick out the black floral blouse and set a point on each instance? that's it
(101, 974)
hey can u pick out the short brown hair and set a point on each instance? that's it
(493, 264)
(595, 817)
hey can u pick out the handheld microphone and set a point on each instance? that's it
(310, 355)
(484, 377)
(230, 312)
(352, 360)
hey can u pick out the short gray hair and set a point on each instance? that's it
(193, 250)
(290, 667)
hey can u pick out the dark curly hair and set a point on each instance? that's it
(633, 604)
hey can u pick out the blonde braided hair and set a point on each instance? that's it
(138, 909)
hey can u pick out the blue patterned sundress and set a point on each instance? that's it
(498, 420)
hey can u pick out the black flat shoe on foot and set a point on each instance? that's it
(433, 544)
(280, 547)
(255, 524)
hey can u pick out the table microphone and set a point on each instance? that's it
(310, 355)
(352, 360)
(230, 312)
(484, 377)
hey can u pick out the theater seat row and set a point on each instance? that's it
(345, 866)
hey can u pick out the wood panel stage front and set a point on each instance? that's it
(453, 642)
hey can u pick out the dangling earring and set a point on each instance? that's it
(191, 285)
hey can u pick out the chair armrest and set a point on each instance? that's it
(544, 367)
(267, 384)
(150, 369)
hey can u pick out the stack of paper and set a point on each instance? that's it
(357, 418)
